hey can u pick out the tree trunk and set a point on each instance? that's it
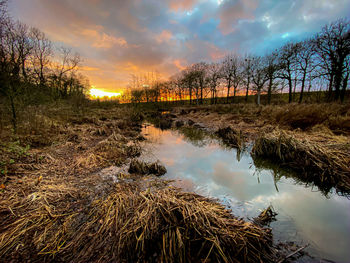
(258, 100)
(269, 91)
(247, 91)
(234, 93)
(295, 86)
(228, 90)
(330, 87)
(302, 88)
(290, 89)
(14, 115)
(337, 84)
(345, 84)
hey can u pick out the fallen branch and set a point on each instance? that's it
(292, 254)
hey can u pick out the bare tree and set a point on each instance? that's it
(189, 79)
(271, 73)
(232, 73)
(287, 62)
(42, 54)
(214, 75)
(333, 47)
(259, 76)
(68, 62)
(345, 79)
(15, 50)
(247, 73)
(199, 70)
(179, 88)
(305, 63)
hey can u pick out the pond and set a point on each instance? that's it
(200, 163)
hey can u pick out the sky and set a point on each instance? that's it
(117, 38)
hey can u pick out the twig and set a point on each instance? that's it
(292, 254)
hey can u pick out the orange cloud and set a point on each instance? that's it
(165, 36)
(181, 5)
(215, 53)
(177, 63)
(103, 40)
(107, 41)
(87, 68)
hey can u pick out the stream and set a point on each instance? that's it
(200, 163)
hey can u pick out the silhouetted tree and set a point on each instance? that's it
(259, 75)
(214, 75)
(232, 73)
(271, 73)
(42, 55)
(199, 71)
(287, 62)
(247, 74)
(67, 63)
(333, 47)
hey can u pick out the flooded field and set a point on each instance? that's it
(306, 215)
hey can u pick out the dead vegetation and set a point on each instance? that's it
(305, 116)
(251, 118)
(231, 137)
(267, 216)
(132, 223)
(168, 226)
(323, 163)
(54, 207)
(33, 212)
(143, 168)
(312, 139)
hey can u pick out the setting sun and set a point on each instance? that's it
(96, 93)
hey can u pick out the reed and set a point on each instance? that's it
(316, 161)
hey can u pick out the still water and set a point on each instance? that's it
(305, 215)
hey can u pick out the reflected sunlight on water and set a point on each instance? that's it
(305, 215)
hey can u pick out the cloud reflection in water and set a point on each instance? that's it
(212, 170)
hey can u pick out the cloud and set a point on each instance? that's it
(107, 41)
(125, 37)
(164, 36)
(231, 12)
(178, 63)
(181, 5)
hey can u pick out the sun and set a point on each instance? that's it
(96, 93)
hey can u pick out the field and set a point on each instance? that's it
(56, 207)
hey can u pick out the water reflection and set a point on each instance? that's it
(199, 163)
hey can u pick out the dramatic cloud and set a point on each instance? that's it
(118, 38)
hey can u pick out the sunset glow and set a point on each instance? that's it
(96, 93)
(136, 37)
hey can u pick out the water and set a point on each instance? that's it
(305, 215)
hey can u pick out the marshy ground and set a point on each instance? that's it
(55, 206)
(311, 139)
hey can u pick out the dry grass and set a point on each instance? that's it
(323, 163)
(55, 208)
(32, 210)
(168, 226)
(231, 137)
(305, 116)
(135, 222)
(290, 116)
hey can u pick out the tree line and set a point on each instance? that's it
(320, 62)
(32, 70)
